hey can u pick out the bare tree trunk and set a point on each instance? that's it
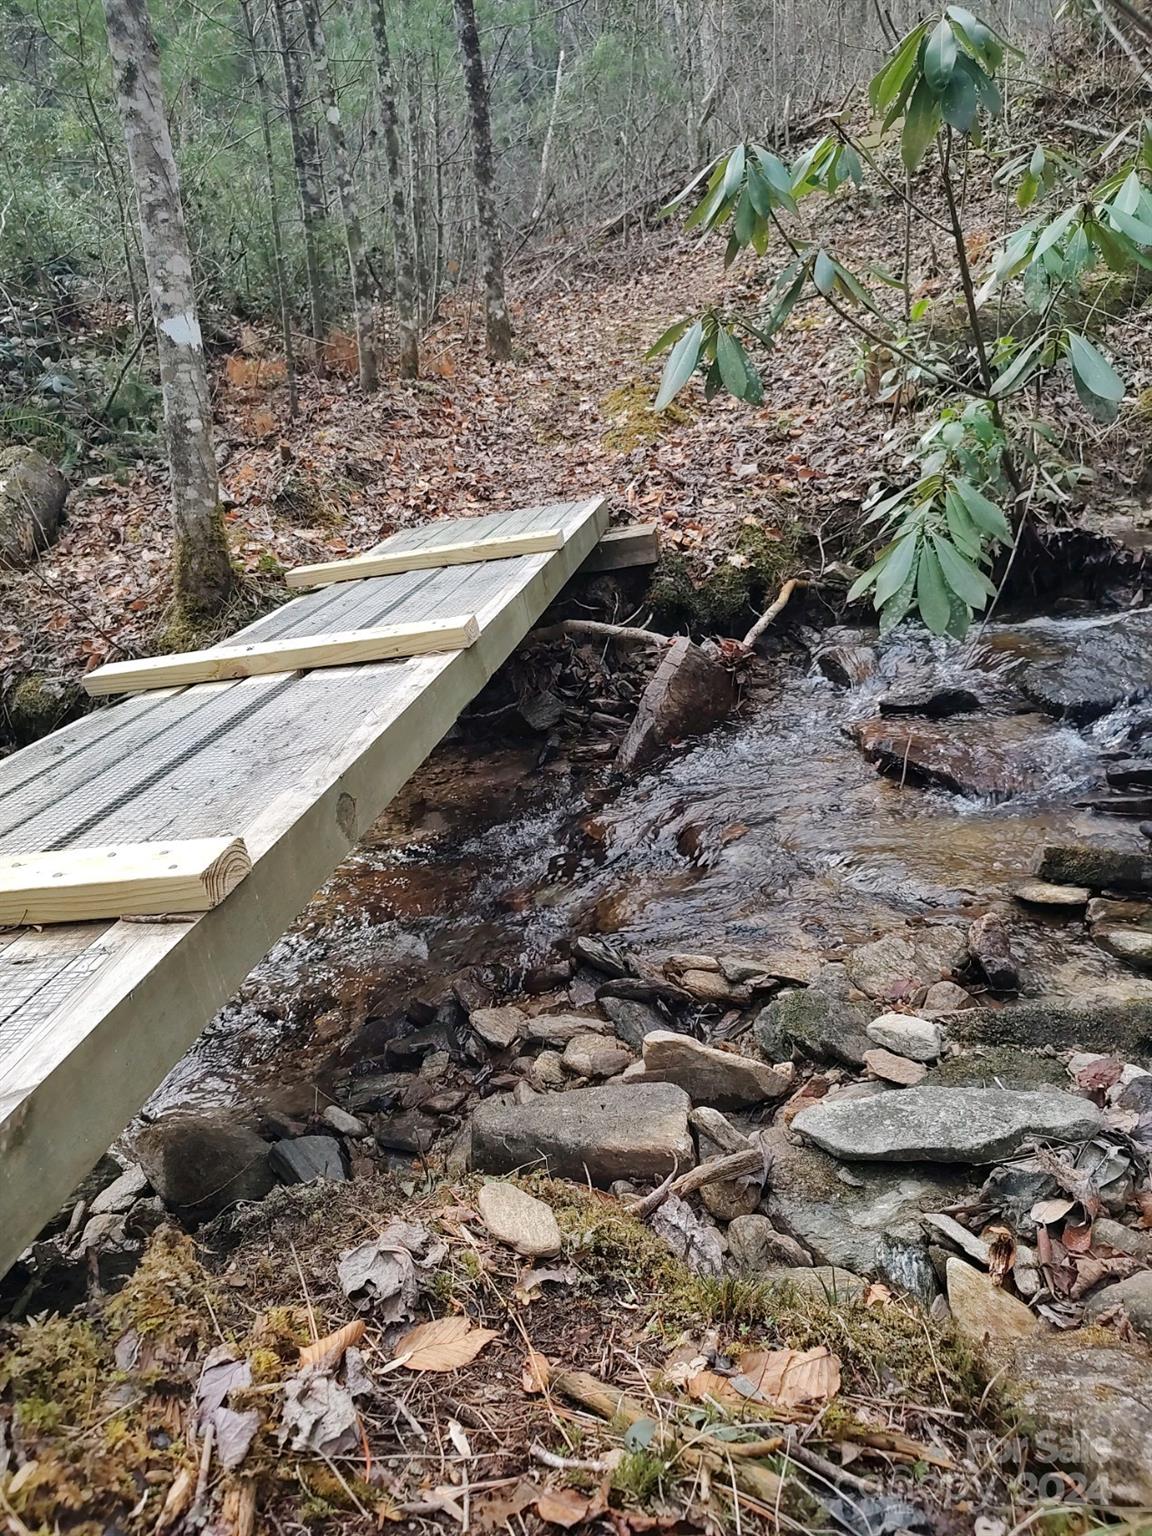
(401, 229)
(307, 182)
(497, 324)
(203, 578)
(278, 262)
(359, 274)
(542, 186)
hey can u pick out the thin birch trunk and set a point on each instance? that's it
(358, 272)
(307, 183)
(203, 578)
(279, 265)
(546, 153)
(498, 326)
(402, 234)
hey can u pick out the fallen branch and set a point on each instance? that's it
(625, 633)
(776, 607)
(609, 1403)
(734, 1166)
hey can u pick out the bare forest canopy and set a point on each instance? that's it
(597, 107)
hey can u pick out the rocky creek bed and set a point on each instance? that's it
(844, 1009)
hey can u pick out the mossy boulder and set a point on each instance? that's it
(32, 496)
(37, 705)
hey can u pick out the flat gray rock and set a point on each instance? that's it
(635, 1131)
(1093, 1406)
(306, 1158)
(517, 1218)
(499, 1027)
(946, 1125)
(711, 1076)
(864, 1217)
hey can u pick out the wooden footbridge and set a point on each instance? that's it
(293, 766)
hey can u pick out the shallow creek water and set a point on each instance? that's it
(773, 828)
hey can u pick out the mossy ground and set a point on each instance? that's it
(739, 586)
(99, 1411)
(632, 421)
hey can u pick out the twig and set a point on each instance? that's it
(734, 1166)
(778, 606)
(828, 1469)
(564, 1463)
(626, 634)
(610, 1403)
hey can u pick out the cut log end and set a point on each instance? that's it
(225, 873)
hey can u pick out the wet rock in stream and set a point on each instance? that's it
(1118, 869)
(200, 1165)
(991, 949)
(985, 759)
(1109, 664)
(934, 703)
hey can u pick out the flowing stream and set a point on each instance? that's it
(772, 829)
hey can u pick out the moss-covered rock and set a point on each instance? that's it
(32, 495)
(38, 704)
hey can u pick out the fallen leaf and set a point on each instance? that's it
(221, 1373)
(328, 1352)
(1001, 1252)
(494, 1511)
(234, 1435)
(566, 1507)
(537, 1372)
(1047, 1212)
(1077, 1239)
(319, 1415)
(381, 1276)
(1100, 1075)
(790, 1376)
(442, 1345)
(708, 1384)
(877, 1295)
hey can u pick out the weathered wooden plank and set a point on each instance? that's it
(393, 562)
(638, 544)
(76, 885)
(147, 989)
(264, 657)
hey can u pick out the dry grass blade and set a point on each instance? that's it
(326, 1353)
(442, 1345)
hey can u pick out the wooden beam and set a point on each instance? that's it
(391, 562)
(76, 885)
(231, 661)
(638, 544)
